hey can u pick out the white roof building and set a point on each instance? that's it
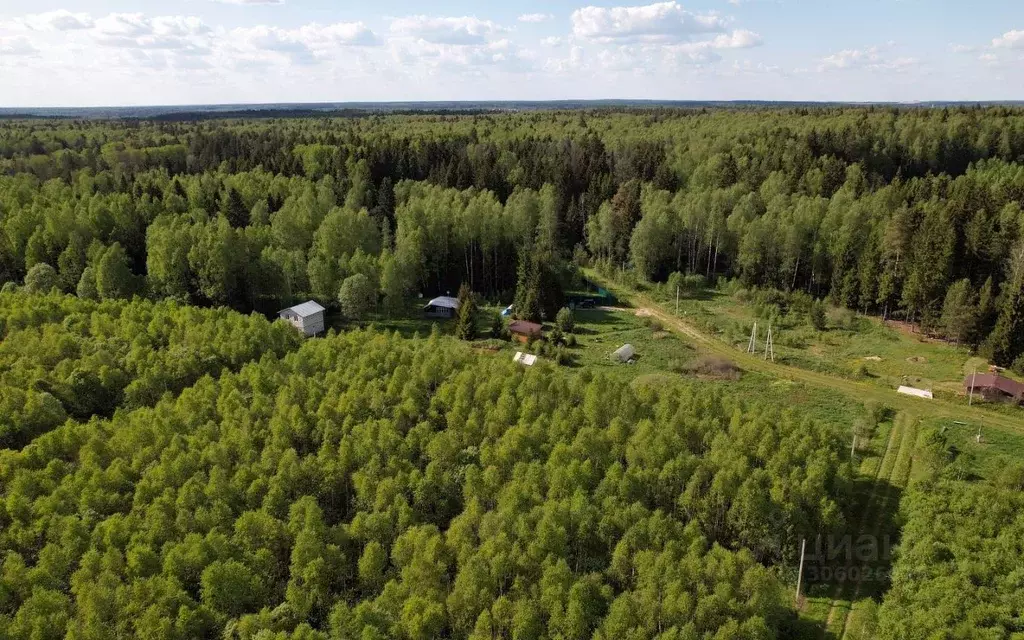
(911, 391)
(442, 307)
(308, 317)
(446, 302)
(526, 359)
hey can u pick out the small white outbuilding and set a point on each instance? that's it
(307, 317)
(525, 359)
(911, 391)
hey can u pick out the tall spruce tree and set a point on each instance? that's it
(465, 323)
(233, 208)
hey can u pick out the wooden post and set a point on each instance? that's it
(677, 300)
(970, 399)
(800, 572)
(853, 447)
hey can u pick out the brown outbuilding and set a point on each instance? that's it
(524, 331)
(993, 386)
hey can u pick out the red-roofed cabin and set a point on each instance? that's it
(524, 331)
(993, 386)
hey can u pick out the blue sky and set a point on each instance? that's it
(122, 52)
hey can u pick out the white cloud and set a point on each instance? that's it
(186, 34)
(305, 45)
(739, 39)
(535, 17)
(873, 58)
(452, 31)
(60, 20)
(1010, 40)
(754, 68)
(124, 24)
(16, 46)
(962, 48)
(250, 2)
(345, 34)
(650, 58)
(664, 22)
(552, 41)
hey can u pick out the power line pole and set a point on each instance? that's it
(677, 299)
(752, 345)
(970, 400)
(769, 345)
(800, 572)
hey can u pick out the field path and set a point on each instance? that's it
(882, 474)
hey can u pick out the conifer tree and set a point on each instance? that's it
(465, 323)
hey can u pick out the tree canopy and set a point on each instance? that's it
(368, 484)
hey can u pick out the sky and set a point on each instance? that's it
(149, 52)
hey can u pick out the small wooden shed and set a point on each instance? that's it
(524, 331)
(307, 317)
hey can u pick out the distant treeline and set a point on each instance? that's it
(906, 212)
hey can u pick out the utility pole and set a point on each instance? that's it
(769, 345)
(853, 447)
(752, 345)
(800, 572)
(970, 399)
(677, 299)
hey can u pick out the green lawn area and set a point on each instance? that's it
(996, 450)
(852, 345)
(600, 332)
(408, 321)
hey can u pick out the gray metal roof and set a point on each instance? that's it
(447, 302)
(305, 309)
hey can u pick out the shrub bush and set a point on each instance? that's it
(817, 316)
(565, 320)
(710, 366)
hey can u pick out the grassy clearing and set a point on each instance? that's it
(599, 332)
(866, 391)
(851, 346)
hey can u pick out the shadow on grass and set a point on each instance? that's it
(594, 317)
(855, 562)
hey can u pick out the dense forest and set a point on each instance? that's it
(908, 213)
(368, 486)
(63, 357)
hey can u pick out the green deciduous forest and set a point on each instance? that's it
(370, 486)
(175, 464)
(879, 209)
(958, 573)
(63, 357)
